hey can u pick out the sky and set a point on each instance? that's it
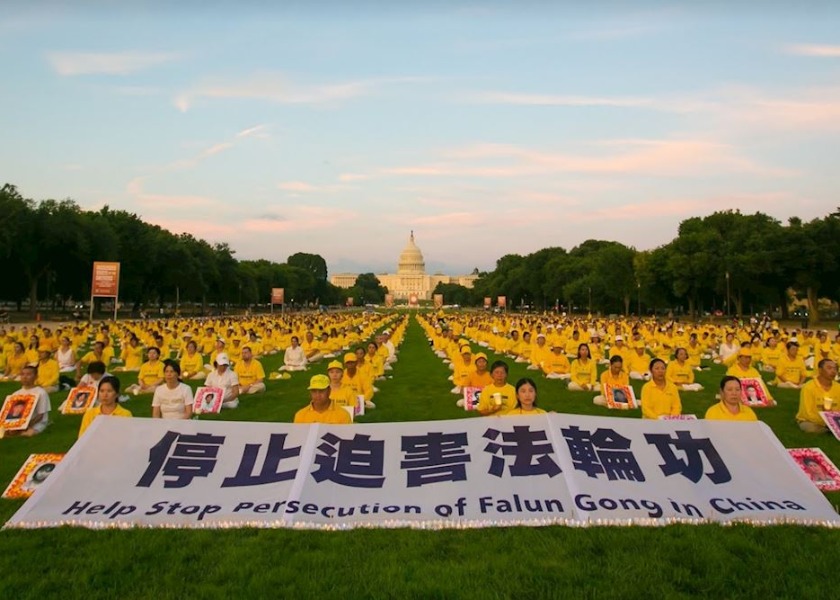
(487, 128)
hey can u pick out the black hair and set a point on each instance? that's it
(497, 364)
(520, 383)
(112, 381)
(726, 379)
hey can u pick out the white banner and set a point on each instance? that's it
(546, 469)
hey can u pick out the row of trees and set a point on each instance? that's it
(47, 248)
(738, 264)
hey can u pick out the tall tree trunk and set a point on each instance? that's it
(783, 304)
(33, 297)
(626, 305)
(691, 310)
(739, 304)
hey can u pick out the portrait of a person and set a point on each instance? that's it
(619, 397)
(816, 471)
(80, 399)
(16, 410)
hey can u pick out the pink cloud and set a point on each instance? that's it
(817, 50)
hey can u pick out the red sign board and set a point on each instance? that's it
(277, 295)
(106, 279)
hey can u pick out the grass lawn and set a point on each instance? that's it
(676, 561)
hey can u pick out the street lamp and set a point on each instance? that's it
(727, 293)
(590, 300)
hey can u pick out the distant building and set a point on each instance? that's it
(410, 278)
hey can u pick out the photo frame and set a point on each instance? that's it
(472, 395)
(359, 408)
(620, 397)
(818, 467)
(33, 473)
(17, 411)
(832, 421)
(79, 399)
(753, 392)
(208, 400)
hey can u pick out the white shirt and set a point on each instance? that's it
(294, 356)
(66, 360)
(42, 404)
(228, 381)
(172, 401)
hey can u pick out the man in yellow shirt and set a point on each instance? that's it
(821, 393)
(354, 380)
(48, 371)
(498, 397)
(321, 409)
(251, 373)
(791, 370)
(730, 407)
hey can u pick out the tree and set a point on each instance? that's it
(369, 288)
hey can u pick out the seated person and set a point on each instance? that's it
(41, 416)
(659, 396)
(557, 364)
(497, 397)
(109, 391)
(294, 358)
(615, 376)
(584, 372)
(173, 399)
(791, 371)
(321, 408)
(638, 362)
(222, 376)
(681, 373)
(526, 399)
(48, 371)
(150, 375)
(250, 372)
(820, 393)
(192, 363)
(730, 407)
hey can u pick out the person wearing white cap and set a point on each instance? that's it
(392, 351)
(619, 348)
(224, 377)
(539, 353)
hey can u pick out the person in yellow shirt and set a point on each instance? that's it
(100, 353)
(340, 394)
(821, 393)
(109, 391)
(48, 371)
(321, 408)
(526, 399)
(462, 369)
(615, 376)
(498, 397)
(659, 397)
(584, 372)
(681, 374)
(251, 373)
(730, 407)
(374, 359)
(132, 355)
(480, 377)
(540, 353)
(557, 366)
(15, 362)
(695, 351)
(771, 355)
(356, 381)
(192, 363)
(791, 370)
(150, 375)
(743, 370)
(638, 363)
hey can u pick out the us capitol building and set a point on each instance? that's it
(410, 278)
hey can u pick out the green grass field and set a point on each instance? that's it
(676, 561)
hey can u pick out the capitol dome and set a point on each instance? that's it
(411, 259)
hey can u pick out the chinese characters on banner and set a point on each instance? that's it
(546, 469)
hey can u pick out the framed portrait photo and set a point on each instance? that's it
(79, 400)
(208, 400)
(818, 467)
(832, 421)
(17, 411)
(620, 397)
(33, 473)
(472, 395)
(753, 392)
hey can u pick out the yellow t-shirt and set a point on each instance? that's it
(812, 401)
(250, 373)
(48, 374)
(508, 397)
(679, 374)
(525, 413)
(192, 364)
(720, 412)
(334, 415)
(92, 413)
(657, 402)
(584, 373)
(150, 373)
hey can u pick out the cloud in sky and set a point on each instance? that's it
(280, 88)
(99, 63)
(816, 50)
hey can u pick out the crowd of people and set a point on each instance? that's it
(358, 349)
(664, 356)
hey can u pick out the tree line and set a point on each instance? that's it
(47, 249)
(727, 262)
